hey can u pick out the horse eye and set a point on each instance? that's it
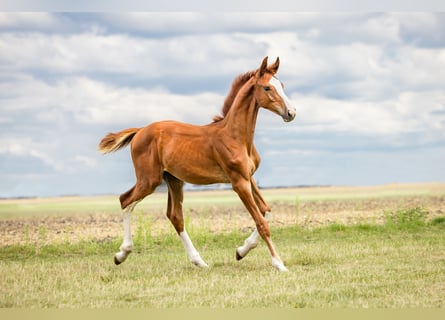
(266, 88)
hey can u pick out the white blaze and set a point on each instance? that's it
(277, 85)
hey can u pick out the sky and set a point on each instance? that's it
(368, 89)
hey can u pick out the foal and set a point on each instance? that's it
(220, 152)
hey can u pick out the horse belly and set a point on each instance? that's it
(194, 165)
(196, 172)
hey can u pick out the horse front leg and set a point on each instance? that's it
(244, 190)
(252, 241)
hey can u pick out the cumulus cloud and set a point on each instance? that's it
(118, 53)
(26, 147)
(405, 113)
(96, 103)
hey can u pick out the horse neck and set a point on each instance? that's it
(240, 121)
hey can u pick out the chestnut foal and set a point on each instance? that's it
(220, 152)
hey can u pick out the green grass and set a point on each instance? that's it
(398, 264)
(397, 260)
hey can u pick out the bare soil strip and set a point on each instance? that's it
(368, 206)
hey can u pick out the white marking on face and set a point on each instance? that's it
(277, 85)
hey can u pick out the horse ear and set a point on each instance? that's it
(263, 68)
(274, 68)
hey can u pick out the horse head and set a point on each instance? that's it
(269, 91)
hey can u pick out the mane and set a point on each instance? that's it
(237, 83)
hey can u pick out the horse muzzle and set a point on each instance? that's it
(289, 115)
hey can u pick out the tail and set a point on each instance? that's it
(115, 141)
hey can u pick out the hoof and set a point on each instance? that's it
(121, 256)
(116, 261)
(282, 269)
(199, 262)
(279, 265)
(238, 256)
(201, 265)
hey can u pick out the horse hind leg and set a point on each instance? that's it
(127, 245)
(129, 200)
(175, 215)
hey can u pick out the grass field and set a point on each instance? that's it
(344, 247)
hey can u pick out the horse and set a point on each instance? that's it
(222, 151)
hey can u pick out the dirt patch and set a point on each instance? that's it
(45, 230)
(103, 226)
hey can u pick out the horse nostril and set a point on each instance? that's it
(289, 115)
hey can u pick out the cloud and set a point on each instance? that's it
(167, 24)
(87, 101)
(366, 71)
(27, 148)
(91, 53)
(124, 105)
(317, 50)
(405, 113)
(425, 30)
